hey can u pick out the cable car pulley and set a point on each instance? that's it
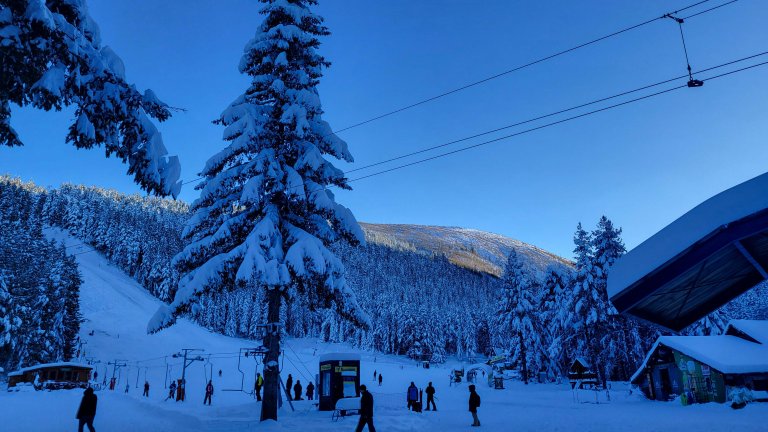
(691, 81)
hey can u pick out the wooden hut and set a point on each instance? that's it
(580, 374)
(52, 376)
(700, 369)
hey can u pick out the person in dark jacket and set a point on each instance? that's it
(87, 411)
(412, 395)
(171, 390)
(366, 410)
(310, 391)
(379, 380)
(146, 388)
(297, 391)
(208, 393)
(288, 386)
(430, 391)
(474, 403)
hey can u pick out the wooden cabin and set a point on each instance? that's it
(52, 376)
(700, 369)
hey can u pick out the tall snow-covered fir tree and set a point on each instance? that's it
(265, 216)
(51, 57)
(516, 313)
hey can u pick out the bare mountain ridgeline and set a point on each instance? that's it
(472, 249)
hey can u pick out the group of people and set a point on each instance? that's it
(413, 396)
(297, 388)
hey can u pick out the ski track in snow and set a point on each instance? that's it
(117, 309)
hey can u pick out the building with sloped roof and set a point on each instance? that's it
(702, 369)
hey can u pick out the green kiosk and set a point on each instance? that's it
(339, 378)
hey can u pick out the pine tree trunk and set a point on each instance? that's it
(271, 360)
(523, 356)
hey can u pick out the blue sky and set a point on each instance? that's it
(642, 165)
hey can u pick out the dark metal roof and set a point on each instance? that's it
(711, 272)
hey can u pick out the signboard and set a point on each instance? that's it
(705, 370)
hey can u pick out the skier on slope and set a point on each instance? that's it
(297, 390)
(87, 410)
(208, 393)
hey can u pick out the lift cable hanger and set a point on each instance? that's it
(691, 81)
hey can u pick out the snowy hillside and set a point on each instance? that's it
(116, 310)
(469, 248)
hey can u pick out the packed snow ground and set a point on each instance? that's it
(117, 310)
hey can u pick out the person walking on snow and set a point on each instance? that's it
(288, 384)
(87, 410)
(310, 391)
(259, 385)
(208, 393)
(430, 391)
(379, 380)
(146, 388)
(374, 376)
(474, 403)
(219, 373)
(127, 386)
(412, 396)
(366, 410)
(297, 391)
(171, 390)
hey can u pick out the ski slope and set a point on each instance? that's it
(116, 312)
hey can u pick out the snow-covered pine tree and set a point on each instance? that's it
(712, 324)
(516, 310)
(52, 57)
(265, 216)
(554, 297)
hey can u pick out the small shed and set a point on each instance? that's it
(339, 378)
(702, 369)
(53, 376)
(580, 374)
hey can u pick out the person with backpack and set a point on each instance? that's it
(412, 396)
(310, 391)
(430, 391)
(366, 410)
(87, 410)
(474, 404)
(208, 393)
(259, 385)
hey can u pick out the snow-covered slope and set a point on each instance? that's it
(116, 310)
(473, 249)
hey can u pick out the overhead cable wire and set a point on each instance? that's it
(517, 68)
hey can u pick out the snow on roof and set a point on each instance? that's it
(339, 356)
(756, 329)
(48, 365)
(730, 205)
(583, 362)
(727, 354)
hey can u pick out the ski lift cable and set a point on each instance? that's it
(298, 359)
(532, 63)
(524, 66)
(541, 117)
(568, 119)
